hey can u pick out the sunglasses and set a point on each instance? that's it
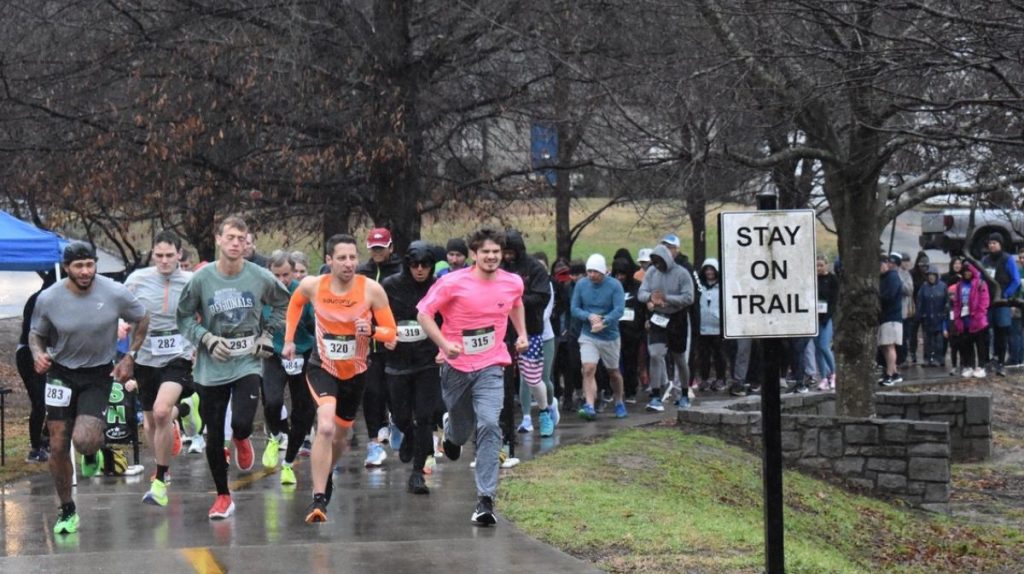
(420, 264)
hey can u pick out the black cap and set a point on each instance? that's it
(77, 251)
(457, 244)
(997, 237)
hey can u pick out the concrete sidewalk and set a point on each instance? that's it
(374, 524)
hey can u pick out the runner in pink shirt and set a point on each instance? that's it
(476, 305)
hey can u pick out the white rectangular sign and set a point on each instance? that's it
(769, 281)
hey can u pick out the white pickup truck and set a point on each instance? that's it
(947, 230)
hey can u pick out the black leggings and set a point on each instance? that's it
(414, 402)
(302, 413)
(35, 385)
(710, 350)
(244, 396)
(971, 343)
(375, 396)
(1000, 343)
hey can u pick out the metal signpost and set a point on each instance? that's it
(769, 291)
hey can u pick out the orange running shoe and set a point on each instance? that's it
(317, 511)
(245, 457)
(176, 445)
(222, 508)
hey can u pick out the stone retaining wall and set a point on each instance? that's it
(894, 455)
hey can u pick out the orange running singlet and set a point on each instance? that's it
(338, 350)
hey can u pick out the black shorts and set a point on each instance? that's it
(151, 378)
(90, 391)
(346, 395)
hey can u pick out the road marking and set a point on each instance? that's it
(248, 479)
(202, 561)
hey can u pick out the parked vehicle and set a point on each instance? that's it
(947, 230)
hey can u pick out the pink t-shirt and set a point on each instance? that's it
(475, 313)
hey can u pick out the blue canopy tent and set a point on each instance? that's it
(25, 247)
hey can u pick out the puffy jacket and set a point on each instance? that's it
(710, 299)
(890, 297)
(536, 291)
(404, 292)
(977, 303)
(931, 305)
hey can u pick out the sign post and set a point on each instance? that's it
(769, 291)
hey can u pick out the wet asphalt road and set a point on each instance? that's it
(373, 522)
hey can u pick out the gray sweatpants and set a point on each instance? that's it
(474, 401)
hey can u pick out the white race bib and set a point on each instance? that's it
(476, 341)
(165, 343)
(822, 307)
(628, 314)
(410, 332)
(240, 346)
(991, 271)
(965, 310)
(294, 366)
(340, 347)
(659, 320)
(57, 395)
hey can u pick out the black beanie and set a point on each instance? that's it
(457, 244)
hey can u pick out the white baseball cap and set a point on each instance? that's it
(644, 255)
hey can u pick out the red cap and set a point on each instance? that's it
(379, 237)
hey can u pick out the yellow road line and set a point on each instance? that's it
(202, 561)
(248, 479)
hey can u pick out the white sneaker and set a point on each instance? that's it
(555, 414)
(282, 442)
(967, 373)
(198, 445)
(979, 373)
(384, 435)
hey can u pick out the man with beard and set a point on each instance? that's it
(74, 341)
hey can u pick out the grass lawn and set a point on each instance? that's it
(620, 226)
(658, 500)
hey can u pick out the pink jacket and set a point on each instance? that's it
(977, 303)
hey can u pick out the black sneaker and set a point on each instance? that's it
(484, 513)
(895, 379)
(317, 510)
(452, 451)
(416, 483)
(405, 451)
(886, 381)
(801, 388)
(1000, 371)
(738, 390)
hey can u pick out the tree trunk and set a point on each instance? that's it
(697, 210)
(336, 219)
(563, 185)
(855, 209)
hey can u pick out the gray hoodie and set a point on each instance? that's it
(675, 283)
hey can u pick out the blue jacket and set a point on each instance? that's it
(931, 306)
(606, 299)
(890, 297)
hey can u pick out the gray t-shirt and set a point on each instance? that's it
(81, 328)
(230, 307)
(160, 293)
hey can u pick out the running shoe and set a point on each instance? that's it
(452, 451)
(282, 442)
(245, 458)
(823, 385)
(886, 381)
(416, 483)
(198, 445)
(287, 474)
(620, 411)
(738, 389)
(428, 467)
(270, 452)
(67, 522)
(526, 426)
(587, 412)
(683, 402)
(384, 435)
(223, 507)
(655, 406)
(631, 399)
(91, 469)
(547, 425)
(317, 510)
(37, 455)
(396, 438)
(483, 514)
(176, 444)
(801, 388)
(306, 449)
(718, 385)
(556, 416)
(157, 495)
(979, 373)
(375, 455)
(898, 378)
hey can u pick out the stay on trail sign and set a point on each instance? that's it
(769, 281)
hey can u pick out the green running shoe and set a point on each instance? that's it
(67, 523)
(90, 470)
(287, 474)
(157, 495)
(270, 453)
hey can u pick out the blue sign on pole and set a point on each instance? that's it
(544, 149)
